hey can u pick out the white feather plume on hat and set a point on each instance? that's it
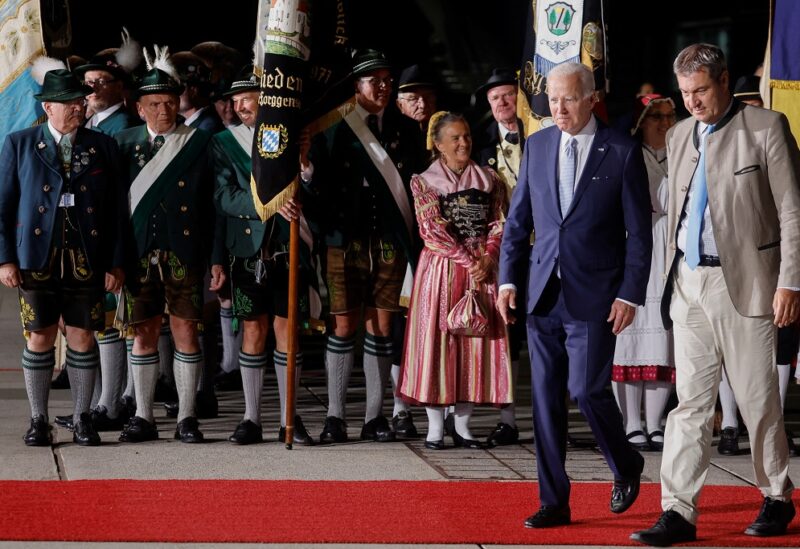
(129, 55)
(43, 65)
(160, 60)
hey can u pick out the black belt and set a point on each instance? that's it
(709, 261)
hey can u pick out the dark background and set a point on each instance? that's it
(461, 39)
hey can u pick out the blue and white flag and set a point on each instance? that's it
(21, 36)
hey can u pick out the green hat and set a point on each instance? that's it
(61, 86)
(244, 81)
(158, 81)
(368, 60)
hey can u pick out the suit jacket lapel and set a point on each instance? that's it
(48, 153)
(597, 152)
(551, 171)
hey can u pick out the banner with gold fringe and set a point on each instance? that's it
(784, 62)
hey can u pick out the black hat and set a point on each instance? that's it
(243, 82)
(158, 81)
(747, 87)
(61, 86)
(368, 60)
(414, 77)
(499, 77)
(190, 67)
(105, 60)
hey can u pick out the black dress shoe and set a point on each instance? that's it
(299, 435)
(625, 491)
(139, 429)
(670, 528)
(84, 433)
(102, 422)
(403, 425)
(65, 421)
(548, 516)
(171, 408)
(377, 429)
(61, 381)
(188, 431)
(228, 381)
(39, 433)
(656, 445)
(503, 435)
(206, 405)
(468, 443)
(773, 518)
(638, 446)
(334, 430)
(728, 442)
(435, 444)
(247, 432)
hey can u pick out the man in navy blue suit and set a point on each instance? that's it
(583, 190)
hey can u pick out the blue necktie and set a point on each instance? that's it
(697, 208)
(566, 180)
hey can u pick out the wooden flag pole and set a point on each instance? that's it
(293, 332)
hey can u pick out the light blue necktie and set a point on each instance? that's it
(566, 180)
(697, 208)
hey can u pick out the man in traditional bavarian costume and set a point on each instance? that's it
(259, 270)
(368, 223)
(173, 218)
(61, 226)
(500, 147)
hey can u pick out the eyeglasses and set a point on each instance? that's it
(658, 117)
(376, 82)
(101, 82)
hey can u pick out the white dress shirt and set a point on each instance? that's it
(98, 117)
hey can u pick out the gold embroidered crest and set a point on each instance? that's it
(272, 140)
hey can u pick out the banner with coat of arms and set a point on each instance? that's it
(20, 42)
(558, 31)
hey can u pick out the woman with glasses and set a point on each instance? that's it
(643, 364)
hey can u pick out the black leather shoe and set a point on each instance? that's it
(403, 425)
(39, 433)
(188, 431)
(61, 381)
(206, 405)
(228, 381)
(669, 529)
(625, 491)
(377, 429)
(656, 445)
(171, 408)
(102, 422)
(299, 435)
(468, 443)
(638, 446)
(503, 435)
(65, 421)
(548, 516)
(247, 432)
(773, 518)
(334, 430)
(139, 429)
(84, 433)
(728, 442)
(435, 444)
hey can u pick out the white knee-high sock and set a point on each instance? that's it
(399, 404)
(231, 342)
(377, 366)
(187, 369)
(435, 423)
(112, 370)
(252, 368)
(629, 400)
(145, 374)
(129, 386)
(728, 402)
(82, 369)
(656, 395)
(463, 414)
(783, 380)
(280, 361)
(339, 357)
(38, 370)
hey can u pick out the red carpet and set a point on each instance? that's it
(348, 512)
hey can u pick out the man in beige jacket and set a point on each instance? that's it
(734, 275)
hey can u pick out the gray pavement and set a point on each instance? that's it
(218, 459)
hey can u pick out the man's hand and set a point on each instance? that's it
(786, 305)
(290, 210)
(483, 270)
(621, 316)
(9, 275)
(217, 278)
(114, 280)
(505, 301)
